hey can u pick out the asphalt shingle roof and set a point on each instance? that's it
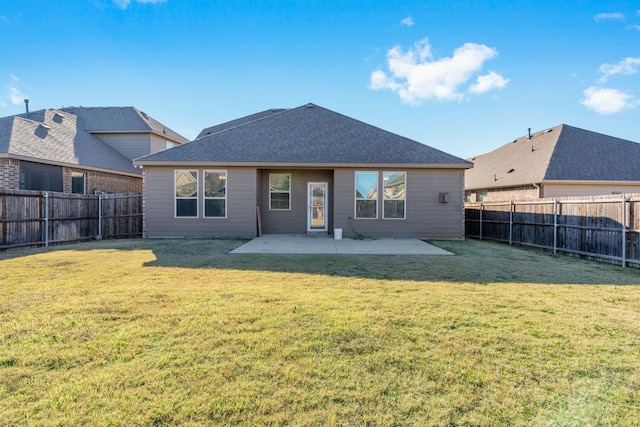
(121, 119)
(57, 136)
(561, 153)
(306, 134)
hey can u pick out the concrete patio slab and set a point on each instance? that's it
(324, 244)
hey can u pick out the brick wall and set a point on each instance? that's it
(514, 193)
(9, 174)
(104, 182)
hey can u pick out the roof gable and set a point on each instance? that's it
(55, 136)
(561, 153)
(121, 119)
(306, 134)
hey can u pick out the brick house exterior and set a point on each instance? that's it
(79, 150)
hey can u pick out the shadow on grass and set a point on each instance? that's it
(478, 262)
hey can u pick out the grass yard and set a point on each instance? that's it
(178, 332)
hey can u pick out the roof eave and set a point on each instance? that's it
(195, 163)
(67, 165)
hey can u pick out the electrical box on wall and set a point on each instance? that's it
(444, 198)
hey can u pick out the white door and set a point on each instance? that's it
(317, 206)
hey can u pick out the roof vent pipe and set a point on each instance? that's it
(529, 133)
(26, 106)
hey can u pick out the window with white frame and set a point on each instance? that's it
(215, 194)
(366, 195)
(186, 193)
(394, 194)
(280, 191)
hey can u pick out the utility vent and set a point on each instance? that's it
(443, 197)
(510, 170)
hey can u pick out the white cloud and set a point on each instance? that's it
(415, 75)
(408, 22)
(607, 101)
(13, 94)
(123, 4)
(627, 66)
(488, 82)
(609, 17)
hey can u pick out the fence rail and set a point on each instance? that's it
(600, 227)
(35, 218)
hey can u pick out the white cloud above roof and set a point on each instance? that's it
(408, 22)
(488, 82)
(415, 75)
(608, 101)
(627, 66)
(13, 92)
(609, 17)
(123, 4)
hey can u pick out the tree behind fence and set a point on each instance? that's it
(31, 218)
(606, 227)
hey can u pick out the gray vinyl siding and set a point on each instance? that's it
(130, 145)
(293, 221)
(160, 220)
(426, 217)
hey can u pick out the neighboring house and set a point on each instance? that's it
(303, 170)
(79, 150)
(559, 161)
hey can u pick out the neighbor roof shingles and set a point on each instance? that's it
(561, 153)
(56, 136)
(306, 134)
(121, 119)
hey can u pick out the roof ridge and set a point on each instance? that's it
(277, 111)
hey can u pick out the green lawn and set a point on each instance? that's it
(178, 332)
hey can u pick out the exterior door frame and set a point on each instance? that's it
(310, 206)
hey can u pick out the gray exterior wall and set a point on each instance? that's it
(425, 216)
(159, 206)
(248, 187)
(130, 145)
(293, 221)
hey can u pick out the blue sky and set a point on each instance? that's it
(462, 76)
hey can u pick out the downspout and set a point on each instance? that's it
(539, 188)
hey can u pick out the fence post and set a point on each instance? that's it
(510, 222)
(624, 232)
(46, 219)
(481, 207)
(555, 226)
(100, 215)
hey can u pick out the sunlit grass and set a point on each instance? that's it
(178, 332)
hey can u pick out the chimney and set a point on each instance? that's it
(26, 105)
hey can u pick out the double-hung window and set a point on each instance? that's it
(366, 195)
(394, 194)
(280, 191)
(215, 194)
(186, 186)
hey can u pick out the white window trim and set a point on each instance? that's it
(355, 197)
(289, 192)
(204, 194)
(404, 200)
(176, 198)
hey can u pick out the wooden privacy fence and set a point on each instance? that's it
(33, 218)
(601, 227)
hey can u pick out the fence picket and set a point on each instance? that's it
(34, 218)
(606, 227)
